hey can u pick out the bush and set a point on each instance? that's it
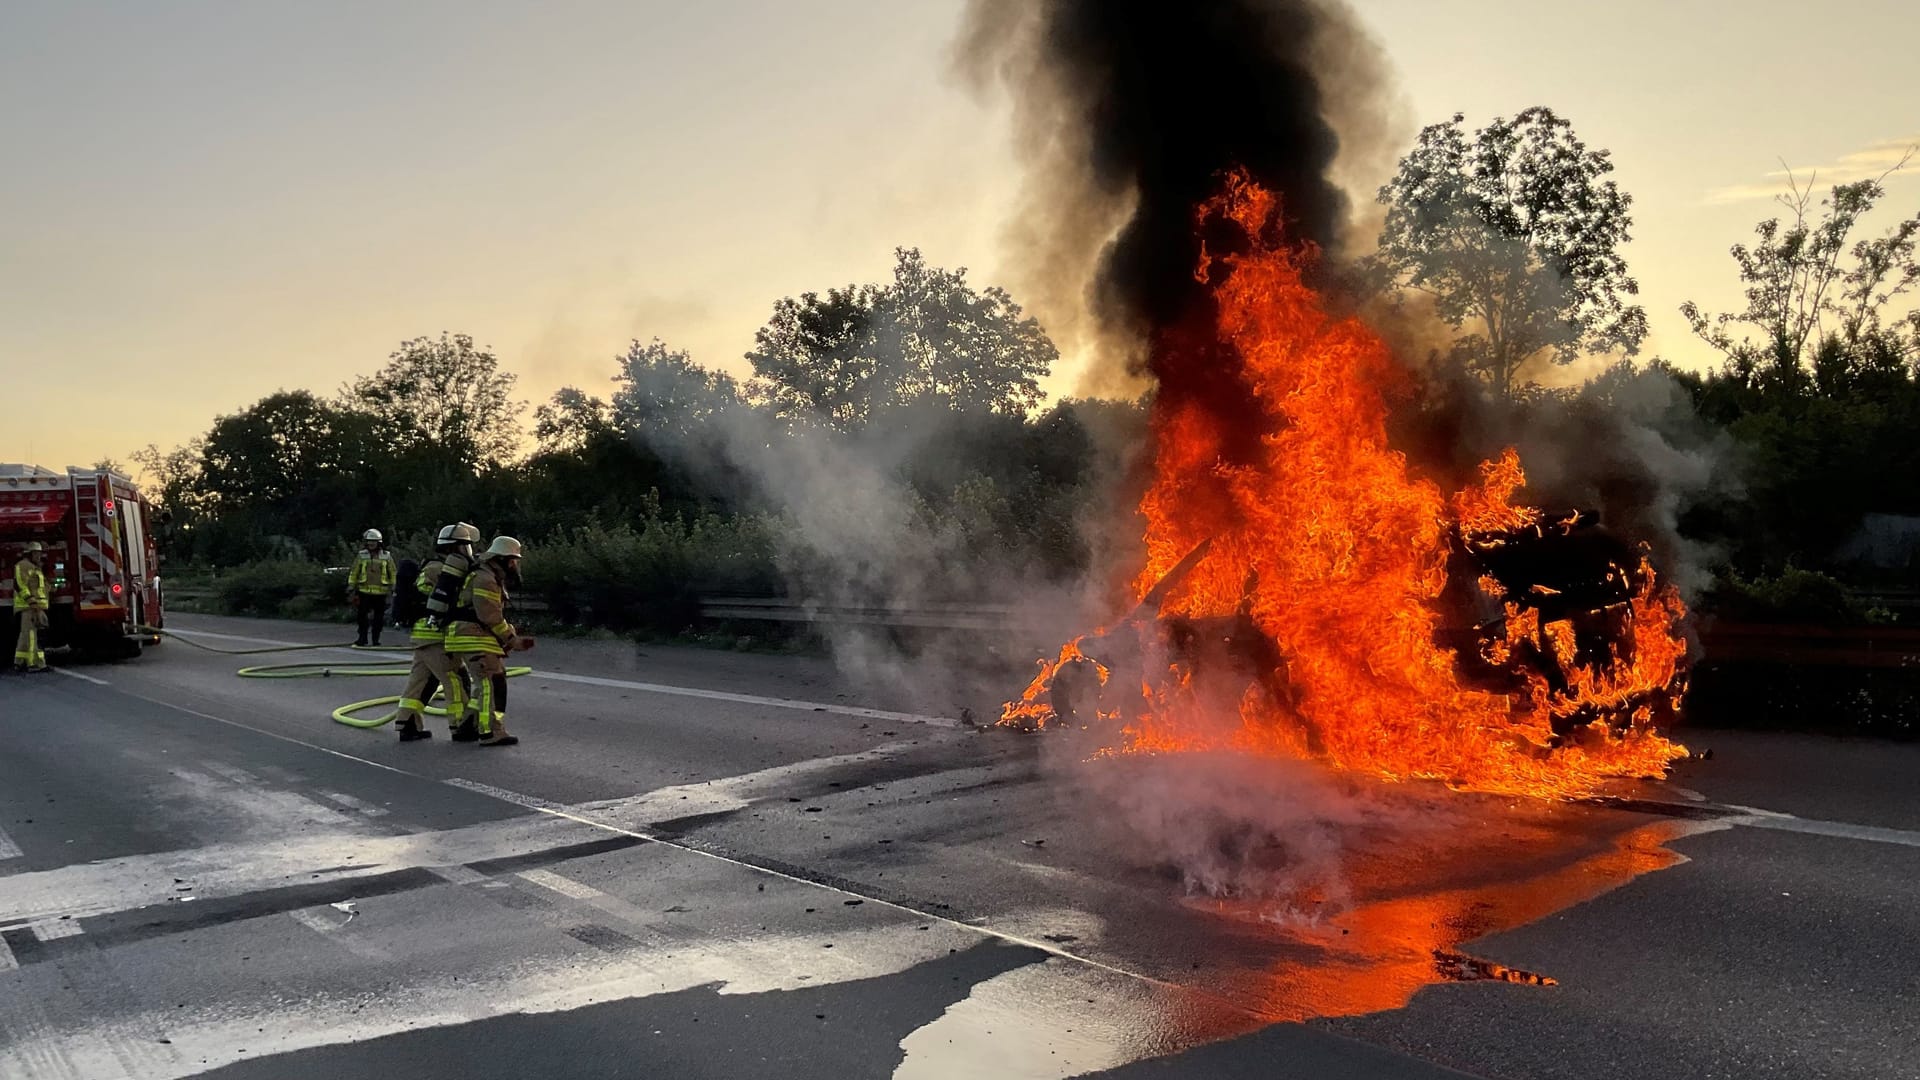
(283, 587)
(650, 575)
(1794, 596)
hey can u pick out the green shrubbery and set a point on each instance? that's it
(285, 587)
(648, 575)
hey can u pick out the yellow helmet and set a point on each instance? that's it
(503, 547)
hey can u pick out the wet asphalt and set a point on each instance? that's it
(708, 864)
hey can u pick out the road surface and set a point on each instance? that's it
(706, 864)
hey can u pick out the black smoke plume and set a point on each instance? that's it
(1142, 107)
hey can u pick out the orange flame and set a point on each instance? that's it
(1323, 538)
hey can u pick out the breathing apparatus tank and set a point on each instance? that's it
(455, 565)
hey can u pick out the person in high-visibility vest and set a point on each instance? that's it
(481, 637)
(30, 598)
(369, 584)
(432, 667)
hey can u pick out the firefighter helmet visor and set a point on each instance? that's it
(372, 535)
(464, 533)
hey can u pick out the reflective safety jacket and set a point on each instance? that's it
(371, 574)
(481, 624)
(424, 632)
(29, 587)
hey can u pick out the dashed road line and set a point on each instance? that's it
(82, 678)
(7, 961)
(55, 929)
(547, 879)
(359, 806)
(458, 875)
(8, 849)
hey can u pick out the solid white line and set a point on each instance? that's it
(82, 678)
(749, 699)
(8, 849)
(678, 691)
(1839, 829)
(547, 879)
(503, 794)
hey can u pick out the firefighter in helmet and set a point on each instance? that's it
(369, 584)
(432, 668)
(481, 637)
(30, 607)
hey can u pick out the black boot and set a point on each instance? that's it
(413, 730)
(468, 730)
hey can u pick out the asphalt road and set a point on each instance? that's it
(703, 864)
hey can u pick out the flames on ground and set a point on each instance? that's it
(1295, 594)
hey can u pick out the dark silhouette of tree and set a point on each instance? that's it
(927, 337)
(444, 396)
(664, 396)
(1805, 284)
(1516, 233)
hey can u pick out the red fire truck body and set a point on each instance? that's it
(102, 565)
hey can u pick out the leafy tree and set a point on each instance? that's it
(928, 337)
(664, 396)
(1514, 230)
(570, 421)
(1805, 282)
(446, 397)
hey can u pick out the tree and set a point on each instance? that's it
(664, 396)
(1802, 290)
(928, 337)
(446, 397)
(1516, 230)
(572, 420)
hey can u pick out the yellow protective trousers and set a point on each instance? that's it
(432, 665)
(488, 673)
(26, 650)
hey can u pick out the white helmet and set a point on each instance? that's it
(35, 547)
(374, 535)
(503, 547)
(464, 533)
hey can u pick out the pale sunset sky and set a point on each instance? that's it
(201, 203)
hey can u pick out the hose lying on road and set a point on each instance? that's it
(345, 714)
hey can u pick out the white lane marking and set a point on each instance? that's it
(677, 691)
(357, 805)
(82, 678)
(503, 794)
(458, 875)
(547, 879)
(254, 640)
(55, 929)
(749, 699)
(8, 849)
(7, 961)
(231, 772)
(1877, 834)
(330, 923)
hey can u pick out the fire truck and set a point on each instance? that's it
(102, 565)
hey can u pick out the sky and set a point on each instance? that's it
(202, 203)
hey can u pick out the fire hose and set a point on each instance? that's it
(345, 714)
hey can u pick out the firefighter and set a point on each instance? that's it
(369, 584)
(30, 607)
(432, 667)
(481, 637)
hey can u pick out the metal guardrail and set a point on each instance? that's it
(983, 617)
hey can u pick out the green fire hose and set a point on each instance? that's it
(345, 714)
